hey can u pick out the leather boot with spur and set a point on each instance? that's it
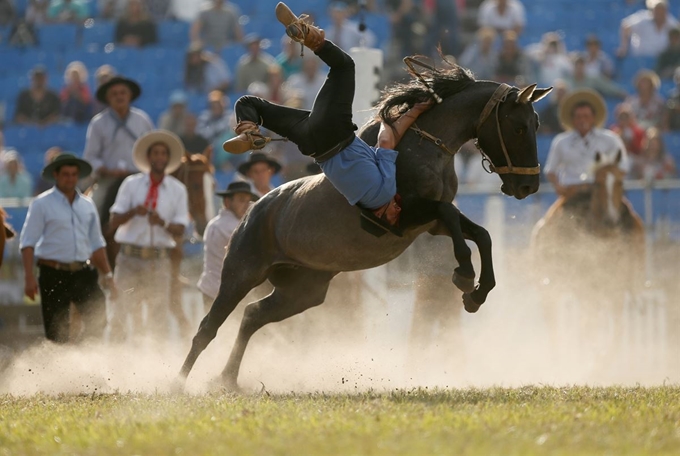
(299, 29)
(248, 138)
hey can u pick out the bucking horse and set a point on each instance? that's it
(302, 234)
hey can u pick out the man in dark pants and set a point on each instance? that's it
(62, 232)
(364, 175)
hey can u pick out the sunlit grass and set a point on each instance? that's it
(521, 421)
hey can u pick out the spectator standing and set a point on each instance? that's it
(627, 128)
(236, 200)
(654, 162)
(174, 119)
(502, 15)
(150, 209)
(549, 116)
(73, 11)
(205, 71)
(15, 182)
(443, 26)
(45, 184)
(647, 103)
(669, 59)
(572, 153)
(36, 12)
(217, 26)
(550, 59)
(645, 33)
(513, 65)
(344, 32)
(309, 81)
(62, 232)
(598, 63)
(259, 169)
(481, 56)
(75, 96)
(254, 65)
(289, 59)
(135, 28)
(38, 104)
(193, 142)
(111, 136)
(580, 79)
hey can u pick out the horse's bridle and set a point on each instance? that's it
(499, 96)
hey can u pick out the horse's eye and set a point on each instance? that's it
(519, 131)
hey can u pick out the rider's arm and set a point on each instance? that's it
(390, 135)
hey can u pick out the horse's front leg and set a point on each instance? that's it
(487, 279)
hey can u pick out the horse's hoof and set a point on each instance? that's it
(221, 384)
(177, 385)
(470, 305)
(464, 284)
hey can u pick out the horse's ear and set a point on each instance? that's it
(540, 94)
(598, 157)
(619, 156)
(525, 94)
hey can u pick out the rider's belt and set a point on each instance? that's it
(71, 267)
(333, 151)
(145, 253)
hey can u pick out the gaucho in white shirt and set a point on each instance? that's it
(236, 201)
(151, 207)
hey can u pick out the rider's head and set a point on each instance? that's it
(583, 117)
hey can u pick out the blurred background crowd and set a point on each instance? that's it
(193, 59)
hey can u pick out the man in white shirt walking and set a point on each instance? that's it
(236, 200)
(150, 208)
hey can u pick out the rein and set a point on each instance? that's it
(499, 96)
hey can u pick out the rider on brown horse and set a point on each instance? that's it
(366, 176)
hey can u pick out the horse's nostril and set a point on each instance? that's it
(526, 190)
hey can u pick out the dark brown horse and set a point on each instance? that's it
(302, 234)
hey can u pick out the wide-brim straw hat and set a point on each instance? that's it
(142, 145)
(134, 88)
(583, 95)
(84, 168)
(259, 157)
(238, 187)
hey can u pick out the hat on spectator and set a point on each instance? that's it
(258, 157)
(38, 69)
(588, 96)
(104, 88)
(66, 159)
(144, 143)
(178, 97)
(647, 74)
(238, 187)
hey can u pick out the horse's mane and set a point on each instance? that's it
(399, 97)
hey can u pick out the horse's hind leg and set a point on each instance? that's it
(299, 290)
(238, 278)
(487, 279)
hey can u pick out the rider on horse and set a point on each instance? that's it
(365, 175)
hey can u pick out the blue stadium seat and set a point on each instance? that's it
(628, 67)
(231, 54)
(174, 34)
(58, 37)
(31, 57)
(11, 60)
(98, 34)
(672, 143)
(92, 60)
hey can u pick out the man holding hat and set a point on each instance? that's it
(572, 153)
(259, 169)
(111, 136)
(236, 200)
(62, 232)
(151, 207)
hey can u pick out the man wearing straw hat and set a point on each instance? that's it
(150, 208)
(62, 232)
(572, 153)
(236, 200)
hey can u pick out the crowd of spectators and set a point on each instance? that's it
(644, 111)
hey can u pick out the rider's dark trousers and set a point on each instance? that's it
(330, 120)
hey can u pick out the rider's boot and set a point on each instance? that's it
(248, 138)
(299, 29)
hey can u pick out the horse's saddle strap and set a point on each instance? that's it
(145, 253)
(335, 150)
(74, 266)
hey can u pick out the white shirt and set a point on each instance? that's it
(572, 156)
(646, 40)
(489, 16)
(172, 206)
(215, 239)
(349, 36)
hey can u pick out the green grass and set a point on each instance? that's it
(520, 421)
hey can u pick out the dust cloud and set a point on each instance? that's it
(365, 337)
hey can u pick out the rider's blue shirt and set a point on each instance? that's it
(365, 175)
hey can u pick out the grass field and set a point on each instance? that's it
(521, 421)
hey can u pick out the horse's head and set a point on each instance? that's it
(192, 172)
(607, 196)
(506, 133)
